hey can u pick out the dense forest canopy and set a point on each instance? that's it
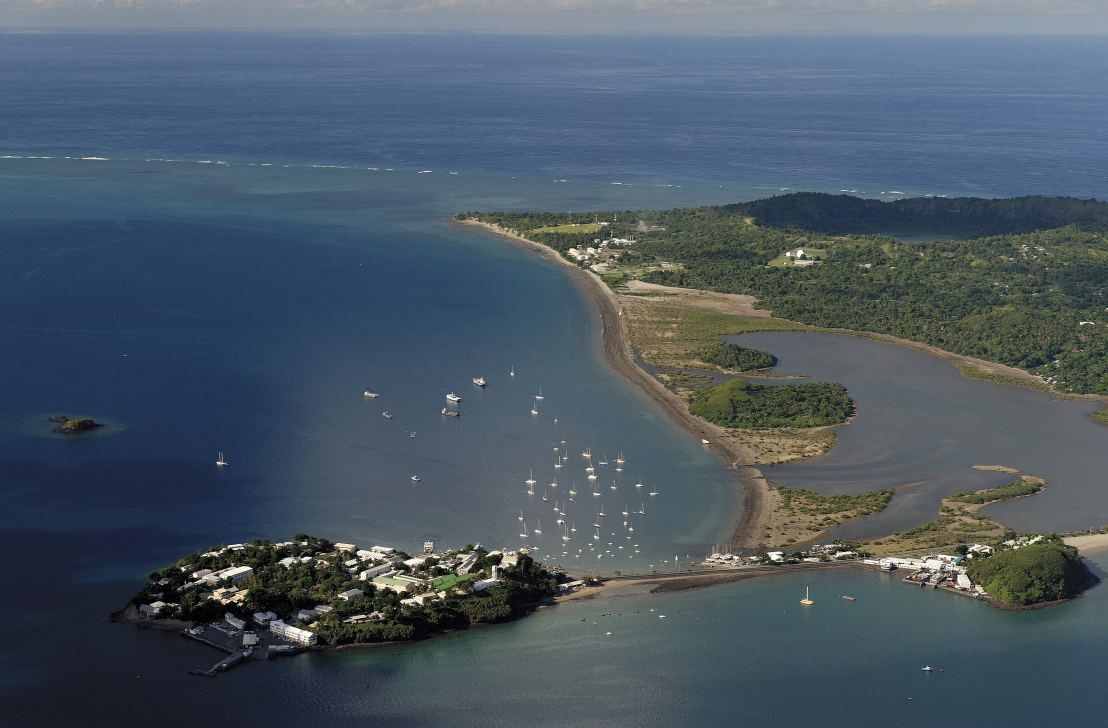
(738, 358)
(958, 216)
(1033, 296)
(1042, 572)
(739, 403)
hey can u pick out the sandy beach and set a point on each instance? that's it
(618, 354)
(1089, 543)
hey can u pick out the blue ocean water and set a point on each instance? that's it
(219, 240)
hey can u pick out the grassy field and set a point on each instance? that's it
(444, 583)
(1101, 416)
(674, 334)
(571, 228)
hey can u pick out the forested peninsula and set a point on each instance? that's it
(1017, 281)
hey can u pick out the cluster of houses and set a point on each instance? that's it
(813, 554)
(938, 570)
(384, 567)
(802, 257)
(600, 256)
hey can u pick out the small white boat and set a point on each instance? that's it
(523, 533)
(927, 668)
(520, 518)
(480, 381)
(652, 493)
(538, 529)
(450, 413)
(220, 460)
(512, 372)
(807, 600)
(455, 398)
(411, 435)
(539, 395)
(619, 458)
(387, 415)
(535, 408)
(415, 478)
(592, 476)
(370, 394)
(704, 442)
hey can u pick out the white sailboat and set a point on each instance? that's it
(512, 372)
(807, 600)
(535, 407)
(538, 529)
(220, 460)
(530, 482)
(539, 395)
(523, 531)
(619, 458)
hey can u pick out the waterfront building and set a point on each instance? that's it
(346, 547)
(234, 621)
(293, 634)
(383, 550)
(153, 609)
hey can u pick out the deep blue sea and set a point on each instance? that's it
(217, 241)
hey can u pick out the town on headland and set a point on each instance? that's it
(261, 599)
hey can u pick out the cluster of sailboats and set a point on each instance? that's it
(563, 501)
(612, 535)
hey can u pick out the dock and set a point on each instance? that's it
(229, 642)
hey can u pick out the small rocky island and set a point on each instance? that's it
(66, 425)
(261, 599)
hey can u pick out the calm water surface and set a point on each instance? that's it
(208, 284)
(922, 426)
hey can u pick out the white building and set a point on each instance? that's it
(383, 550)
(151, 610)
(346, 547)
(289, 561)
(375, 571)
(350, 594)
(776, 556)
(234, 621)
(292, 634)
(236, 574)
(264, 618)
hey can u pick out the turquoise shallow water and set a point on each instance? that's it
(243, 307)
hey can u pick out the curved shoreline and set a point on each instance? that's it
(616, 344)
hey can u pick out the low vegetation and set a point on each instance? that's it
(801, 515)
(1018, 488)
(739, 403)
(1034, 574)
(959, 520)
